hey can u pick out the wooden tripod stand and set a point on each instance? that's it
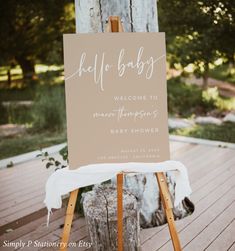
(114, 25)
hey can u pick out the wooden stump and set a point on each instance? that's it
(100, 209)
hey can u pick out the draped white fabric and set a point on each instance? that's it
(64, 180)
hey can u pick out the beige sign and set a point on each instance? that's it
(116, 98)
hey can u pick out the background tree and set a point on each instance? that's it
(31, 31)
(198, 32)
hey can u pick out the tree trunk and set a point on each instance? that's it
(205, 76)
(27, 67)
(100, 208)
(204, 81)
(136, 16)
(9, 77)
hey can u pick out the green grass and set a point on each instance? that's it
(14, 114)
(47, 92)
(224, 132)
(29, 142)
(17, 94)
(48, 107)
(48, 110)
(189, 100)
(185, 100)
(47, 82)
(223, 72)
(27, 91)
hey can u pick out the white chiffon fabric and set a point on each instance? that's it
(64, 180)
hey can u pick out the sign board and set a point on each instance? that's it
(116, 98)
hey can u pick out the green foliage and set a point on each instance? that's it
(64, 153)
(223, 72)
(211, 99)
(183, 99)
(32, 31)
(198, 32)
(16, 114)
(50, 161)
(4, 115)
(224, 132)
(225, 104)
(210, 96)
(49, 108)
(17, 94)
(22, 114)
(186, 100)
(53, 162)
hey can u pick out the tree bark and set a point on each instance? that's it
(9, 77)
(205, 76)
(205, 81)
(100, 208)
(27, 67)
(136, 15)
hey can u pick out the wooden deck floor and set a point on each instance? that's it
(211, 227)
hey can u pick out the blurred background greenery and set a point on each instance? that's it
(200, 36)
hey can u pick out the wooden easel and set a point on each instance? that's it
(114, 25)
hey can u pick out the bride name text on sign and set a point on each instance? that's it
(116, 98)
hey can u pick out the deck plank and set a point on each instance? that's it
(212, 230)
(32, 226)
(232, 247)
(202, 205)
(225, 241)
(197, 196)
(206, 218)
(211, 227)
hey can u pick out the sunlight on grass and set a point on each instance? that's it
(40, 68)
(224, 132)
(3, 78)
(211, 97)
(58, 80)
(226, 104)
(13, 77)
(223, 72)
(16, 72)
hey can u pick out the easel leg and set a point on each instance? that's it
(166, 200)
(68, 220)
(120, 211)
